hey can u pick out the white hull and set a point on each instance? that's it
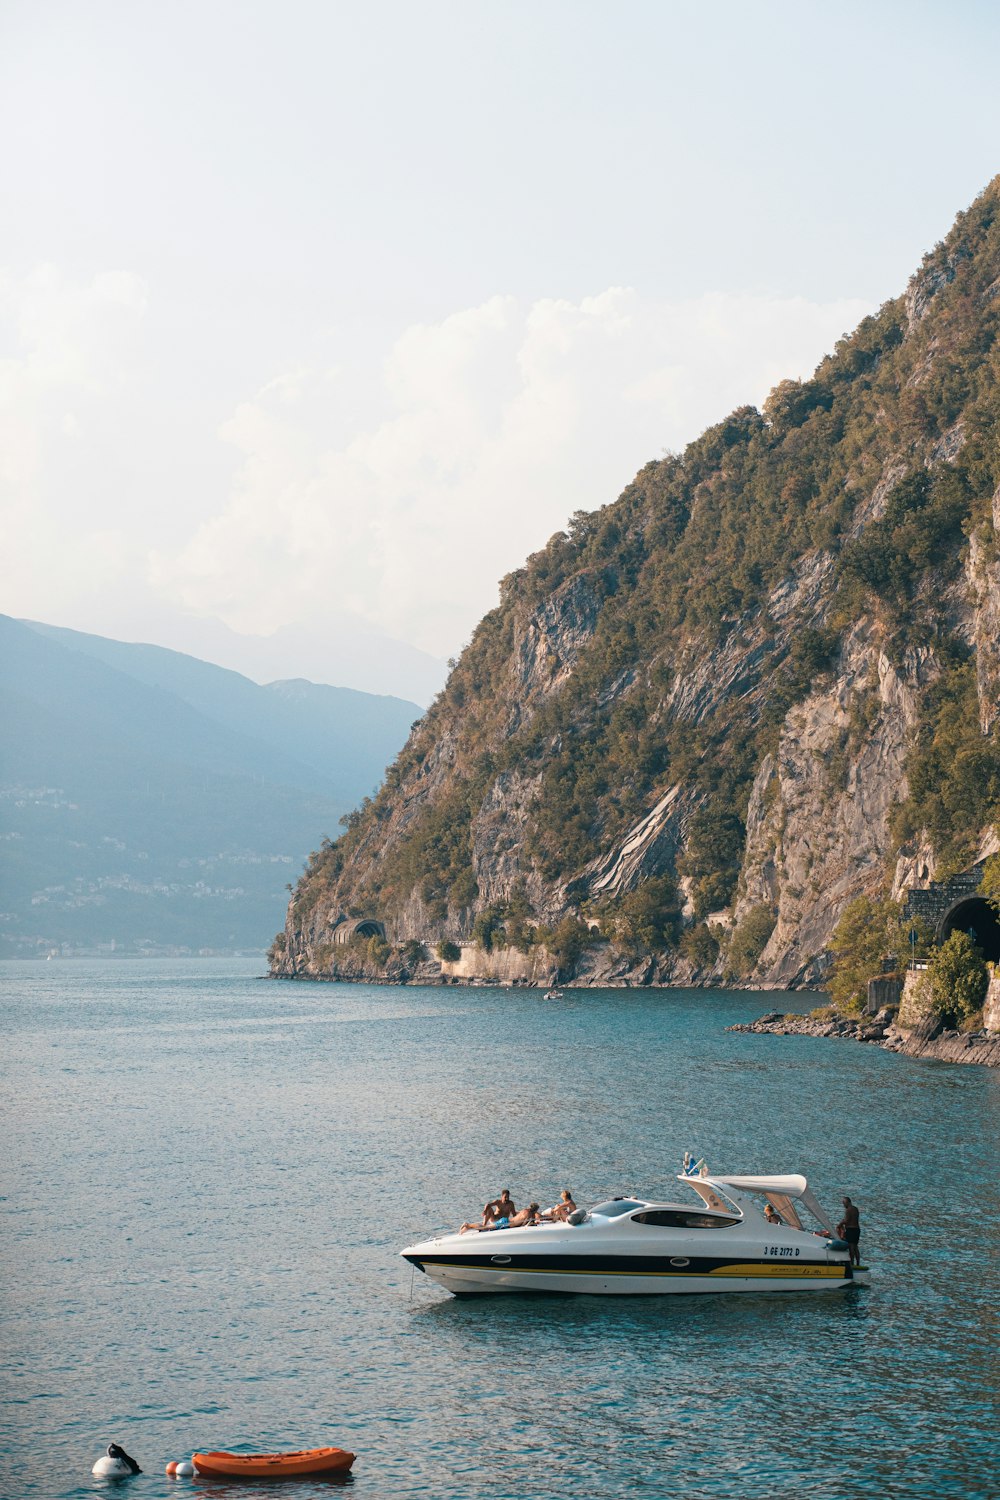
(477, 1281)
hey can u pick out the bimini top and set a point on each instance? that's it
(791, 1185)
(780, 1190)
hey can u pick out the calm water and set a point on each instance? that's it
(206, 1179)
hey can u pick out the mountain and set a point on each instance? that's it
(761, 683)
(339, 739)
(336, 644)
(152, 799)
(363, 658)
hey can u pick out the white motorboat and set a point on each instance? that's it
(636, 1246)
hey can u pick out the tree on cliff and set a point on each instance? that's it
(989, 886)
(958, 979)
(868, 932)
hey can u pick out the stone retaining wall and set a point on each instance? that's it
(886, 990)
(934, 903)
(915, 1009)
(991, 1006)
(502, 966)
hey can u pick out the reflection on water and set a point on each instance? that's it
(208, 1179)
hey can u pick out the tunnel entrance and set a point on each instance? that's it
(978, 918)
(365, 927)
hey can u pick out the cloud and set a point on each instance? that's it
(67, 352)
(486, 431)
(394, 488)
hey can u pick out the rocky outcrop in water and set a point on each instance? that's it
(933, 1040)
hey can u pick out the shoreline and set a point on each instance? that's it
(934, 1040)
(437, 980)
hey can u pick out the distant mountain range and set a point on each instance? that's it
(151, 800)
(333, 646)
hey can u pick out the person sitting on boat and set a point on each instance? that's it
(497, 1214)
(561, 1211)
(771, 1214)
(521, 1220)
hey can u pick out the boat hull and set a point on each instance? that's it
(483, 1279)
(273, 1465)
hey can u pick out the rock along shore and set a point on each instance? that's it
(930, 1040)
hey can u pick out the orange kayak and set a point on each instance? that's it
(272, 1465)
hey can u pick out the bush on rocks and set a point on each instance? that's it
(958, 979)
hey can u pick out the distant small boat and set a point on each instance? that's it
(553, 995)
(272, 1465)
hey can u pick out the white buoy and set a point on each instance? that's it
(115, 1464)
(185, 1469)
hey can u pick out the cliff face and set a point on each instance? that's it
(724, 706)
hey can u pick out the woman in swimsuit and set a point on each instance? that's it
(562, 1209)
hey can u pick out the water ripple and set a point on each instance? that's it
(206, 1179)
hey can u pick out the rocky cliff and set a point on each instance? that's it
(760, 683)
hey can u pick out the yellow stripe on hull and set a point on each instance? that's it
(778, 1268)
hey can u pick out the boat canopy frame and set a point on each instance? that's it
(781, 1191)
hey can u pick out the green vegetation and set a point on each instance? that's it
(989, 886)
(379, 951)
(700, 946)
(870, 931)
(413, 953)
(647, 919)
(958, 979)
(749, 940)
(953, 770)
(448, 952)
(488, 930)
(921, 527)
(712, 858)
(566, 941)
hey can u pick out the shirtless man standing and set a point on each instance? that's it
(850, 1230)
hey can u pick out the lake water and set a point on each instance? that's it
(207, 1178)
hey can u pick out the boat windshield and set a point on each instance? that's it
(683, 1218)
(616, 1208)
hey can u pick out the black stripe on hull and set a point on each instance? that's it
(638, 1265)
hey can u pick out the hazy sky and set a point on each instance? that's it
(316, 318)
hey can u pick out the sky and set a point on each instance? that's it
(317, 318)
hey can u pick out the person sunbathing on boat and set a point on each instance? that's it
(520, 1220)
